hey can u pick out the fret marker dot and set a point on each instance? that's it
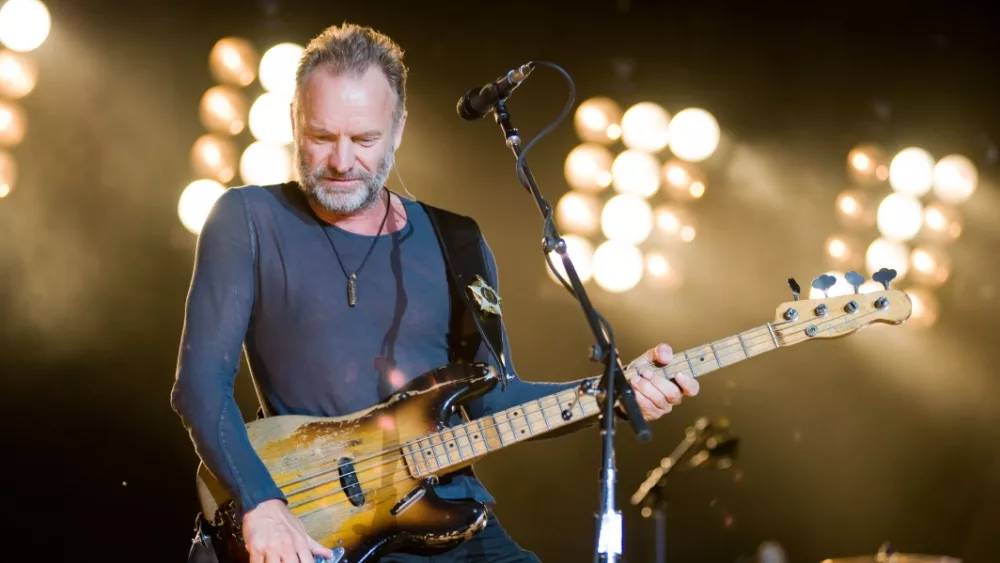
(701, 359)
(452, 445)
(476, 437)
(428, 452)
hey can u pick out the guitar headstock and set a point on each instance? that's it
(832, 317)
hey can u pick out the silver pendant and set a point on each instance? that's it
(352, 293)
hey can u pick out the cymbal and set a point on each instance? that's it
(895, 558)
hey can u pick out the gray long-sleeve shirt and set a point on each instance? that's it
(266, 278)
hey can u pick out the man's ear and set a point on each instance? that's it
(398, 133)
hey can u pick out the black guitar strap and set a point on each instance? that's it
(471, 324)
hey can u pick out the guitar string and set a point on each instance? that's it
(749, 341)
(678, 367)
(541, 408)
(405, 470)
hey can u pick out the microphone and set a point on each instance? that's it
(478, 102)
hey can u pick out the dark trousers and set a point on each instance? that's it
(492, 545)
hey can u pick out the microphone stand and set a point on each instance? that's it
(613, 387)
(651, 494)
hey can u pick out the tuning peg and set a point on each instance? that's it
(884, 276)
(855, 279)
(795, 288)
(824, 283)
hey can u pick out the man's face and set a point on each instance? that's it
(344, 138)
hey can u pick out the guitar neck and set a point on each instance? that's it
(460, 445)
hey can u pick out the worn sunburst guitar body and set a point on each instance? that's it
(363, 484)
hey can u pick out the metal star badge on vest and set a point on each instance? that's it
(485, 296)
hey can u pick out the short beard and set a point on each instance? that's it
(343, 201)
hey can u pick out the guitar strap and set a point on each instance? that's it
(465, 260)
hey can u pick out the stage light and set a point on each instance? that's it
(867, 164)
(214, 157)
(270, 119)
(598, 120)
(618, 266)
(930, 266)
(635, 172)
(645, 127)
(681, 180)
(844, 251)
(579, 213)
(233, 61)
(277, 69)
(24, 24)
(13, 124)
(588, 167)
(264, 164)
(955, 179)
(196, 203)
(855, 209)
(912, 171)
(627, 218)
(223, 110)
(662, 272)
(580, 252)
(18, 75)
(888, 253)
(900, 216)
(694, 134)
(943, 223)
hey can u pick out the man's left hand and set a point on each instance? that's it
(654, 393)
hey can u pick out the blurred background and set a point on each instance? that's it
(713, 151)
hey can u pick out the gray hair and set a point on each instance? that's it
(353, 48)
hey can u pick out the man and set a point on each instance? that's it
(338, 290)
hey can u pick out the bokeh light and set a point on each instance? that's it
(214, 157)
(578, 213)
(233, 61)
(955, 179)
(930, 266)
(263, 164)
(900, 216)
(855, 209)
(588, 167)
(24, 24)
(627, 218)
(18, 75)
(618, 266)
(223, 110)
(844, 251)
(645, 127)
(912, 171)
(867, 163)
(694, 134)
(196, 203)
(635, 172)
(270, 119)
(8, 173)
(13, 124)
(598, 120)
(277, 69)
(942, 222)
(926, 307)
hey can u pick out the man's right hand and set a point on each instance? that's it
(273, 534)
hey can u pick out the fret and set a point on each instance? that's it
(774, 336)
(445, 446)
(545, 418)
(715, 353)
(440, 451)
(465, 434)
(427, 453)
(519, 422)
(482, 432)
(451, 439)
(501, 425)
(413, 460)
(694, 372)
(743, 344)
(534, 418)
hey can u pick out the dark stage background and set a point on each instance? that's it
(891, 434)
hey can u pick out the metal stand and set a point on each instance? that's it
(716, 446)
(614, 387)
